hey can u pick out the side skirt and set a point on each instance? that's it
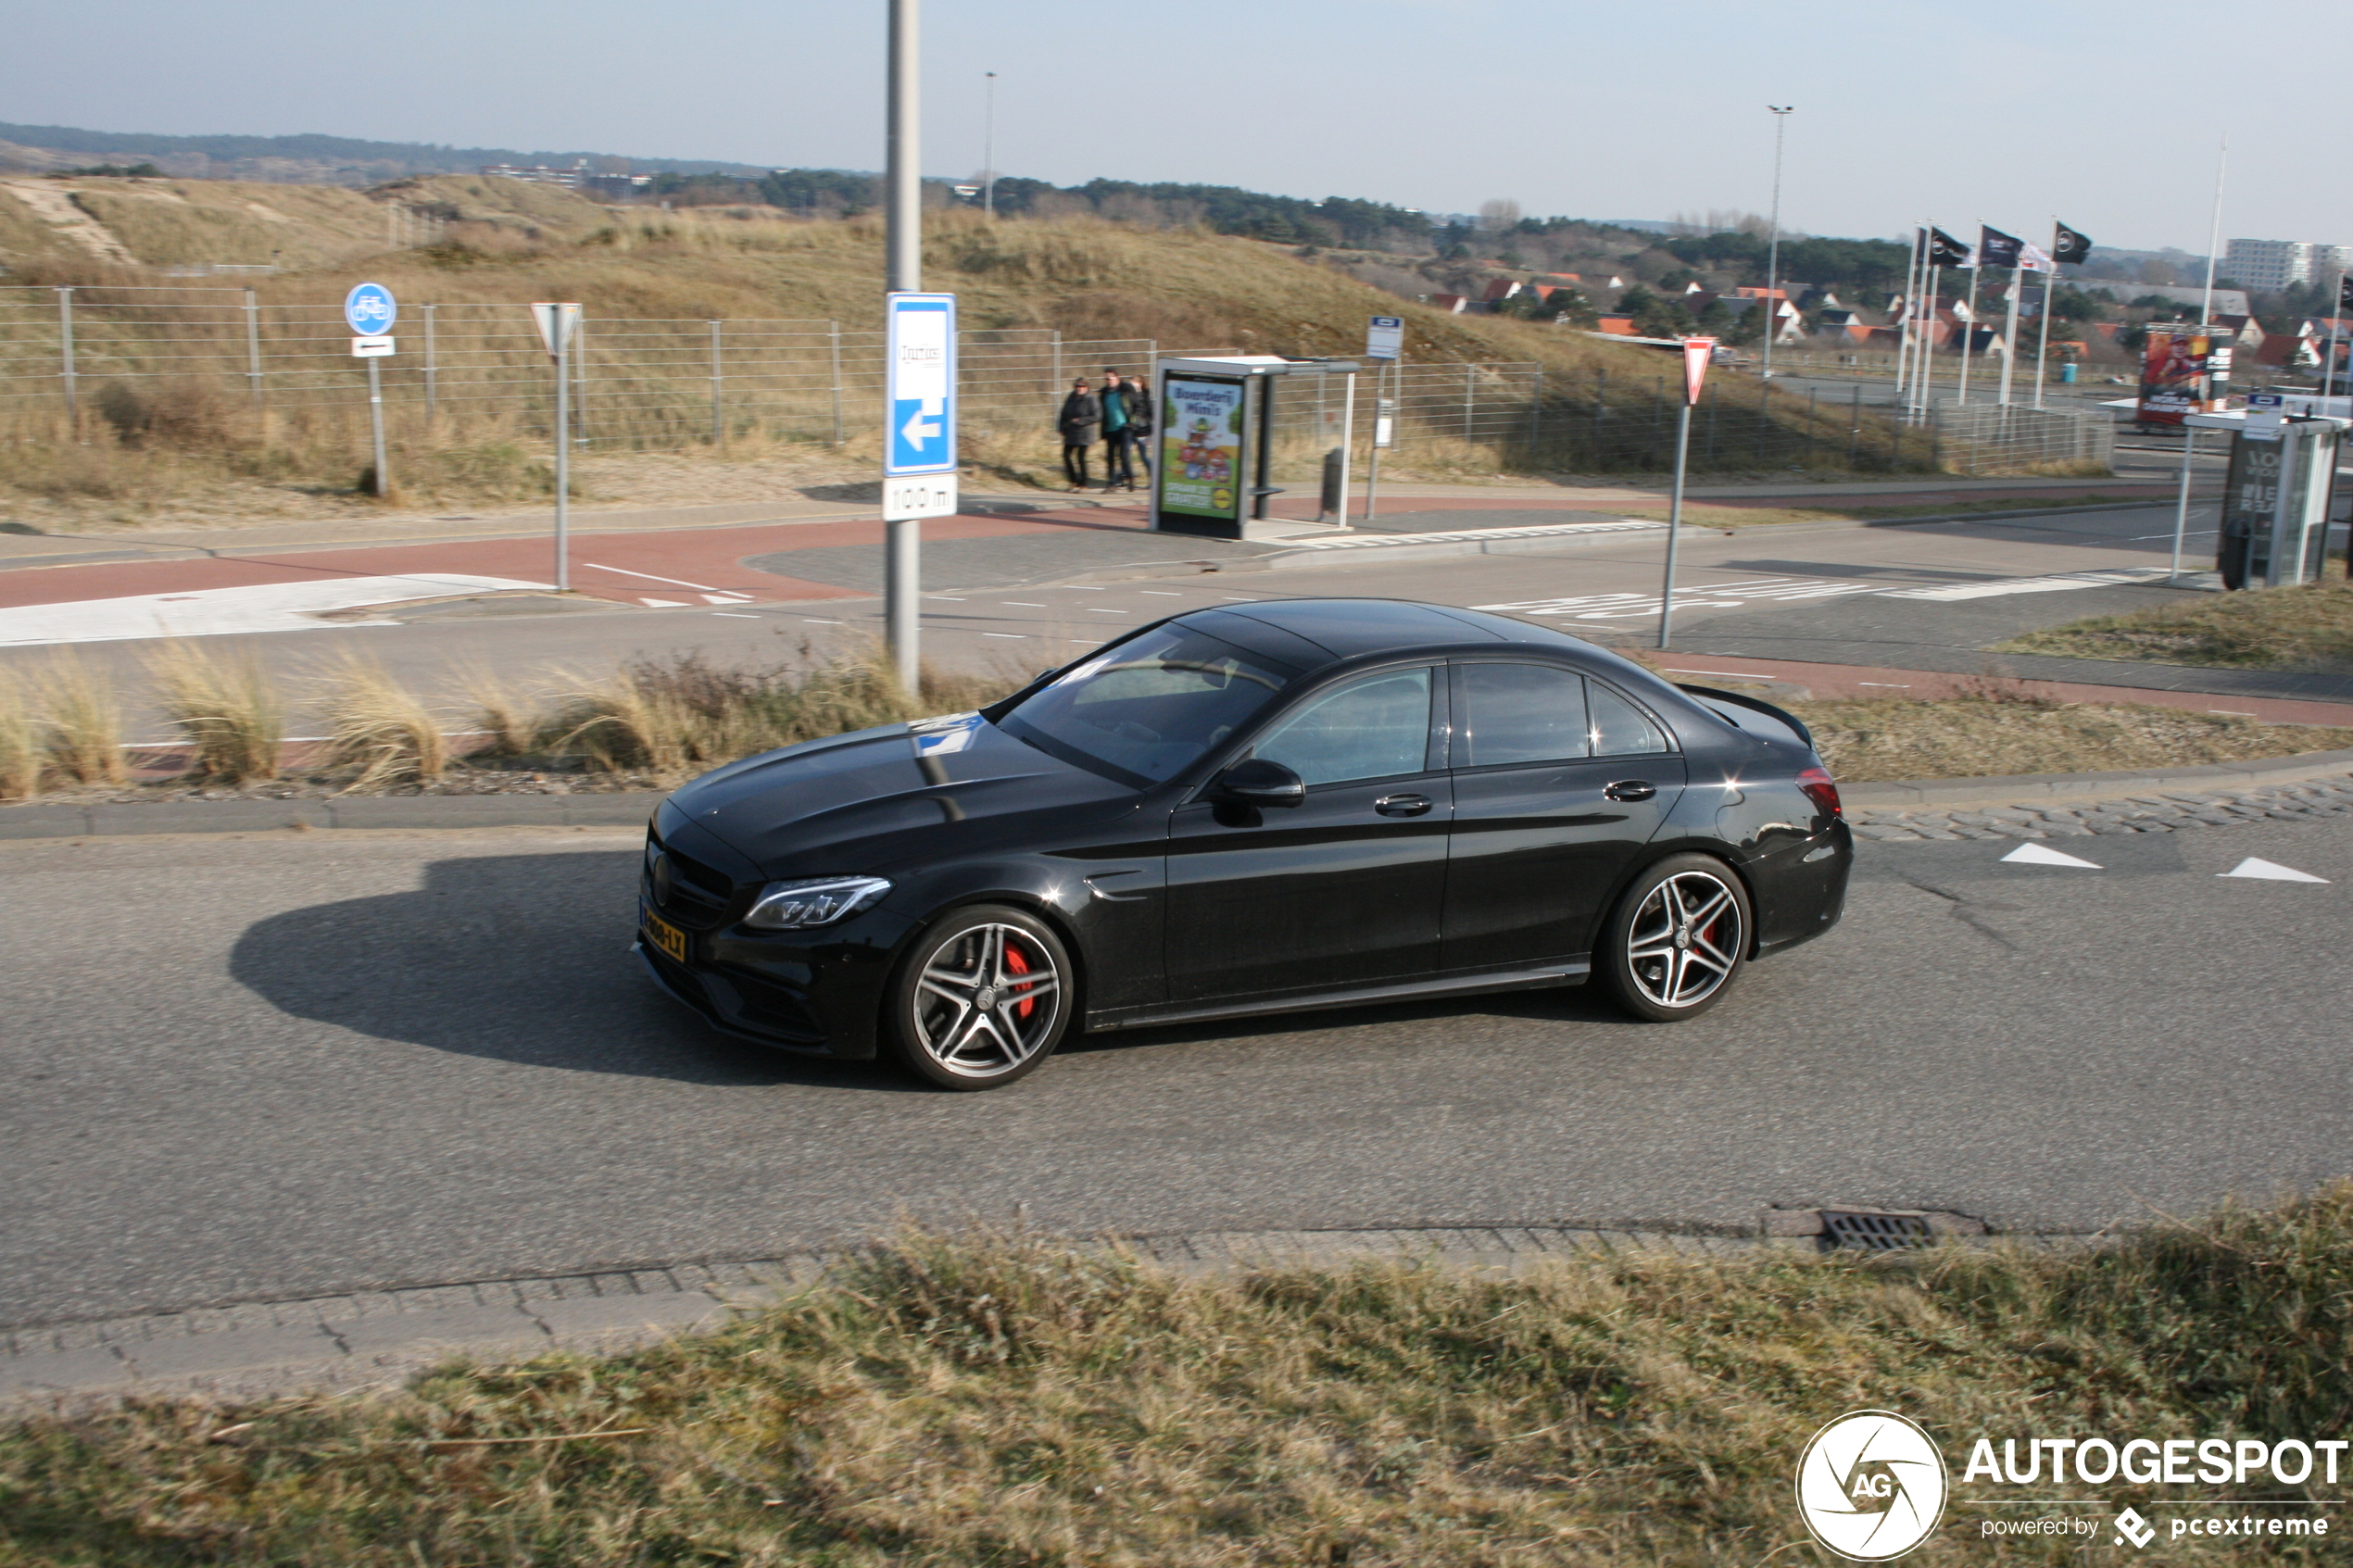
(1362, 996)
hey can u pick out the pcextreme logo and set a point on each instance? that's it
(1871, 1486)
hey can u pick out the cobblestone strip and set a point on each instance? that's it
(2160, 812)
(374, 1338)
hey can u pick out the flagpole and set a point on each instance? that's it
(2328, 372)
(1904, 329)
(1927, 340)
(2204, 325)
(2043, 343)
(2009, 334)
(1969, 330)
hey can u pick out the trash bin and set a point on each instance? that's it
(2067, 373)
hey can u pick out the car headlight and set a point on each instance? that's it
(794, 906)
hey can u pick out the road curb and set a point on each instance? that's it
(374, 1338)
(115, 820)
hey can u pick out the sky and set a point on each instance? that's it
(2107, 113)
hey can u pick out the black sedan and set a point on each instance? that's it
(1275, 805)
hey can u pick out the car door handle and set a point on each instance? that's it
(1401, 805)
(1629, 789)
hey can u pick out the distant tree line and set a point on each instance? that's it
(1869, 264)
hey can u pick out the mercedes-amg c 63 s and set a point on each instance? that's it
(1269, 806)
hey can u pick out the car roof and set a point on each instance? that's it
(1341, 629)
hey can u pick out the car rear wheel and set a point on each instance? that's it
(982, 1000)
(1676, 939)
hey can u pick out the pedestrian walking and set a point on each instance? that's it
(1081, 418)
(1136, 399)
(1119, 465)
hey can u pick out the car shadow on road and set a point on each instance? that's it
(513, 958)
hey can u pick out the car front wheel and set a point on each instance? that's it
(982, 998)
(1676, 939)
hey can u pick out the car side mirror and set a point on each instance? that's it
(1258, 783)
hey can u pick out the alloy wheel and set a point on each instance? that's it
(1685, 940)
(986, 1001)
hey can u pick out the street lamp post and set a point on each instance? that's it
(903, 271)
(989, 152)
(1773, 250)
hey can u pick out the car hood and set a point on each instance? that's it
(873, 800)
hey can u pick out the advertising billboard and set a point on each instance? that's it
(1200, 469)
(2173, 376)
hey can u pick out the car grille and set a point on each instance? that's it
(696, 896)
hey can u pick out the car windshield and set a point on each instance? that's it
(1149, 708)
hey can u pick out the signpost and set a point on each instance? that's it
(556, 323)
(918, 453)
(1698, 352)
(1384, 345)
(369, 310)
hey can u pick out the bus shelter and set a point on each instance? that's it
(1215, 446)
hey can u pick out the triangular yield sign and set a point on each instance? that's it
(2266, 871)
(2036, 855)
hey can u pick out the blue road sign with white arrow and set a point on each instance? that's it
(370, 309)
(922, 388)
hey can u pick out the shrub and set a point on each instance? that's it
(225, 706)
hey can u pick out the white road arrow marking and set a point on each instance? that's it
(2036, 855)
(2264, 871)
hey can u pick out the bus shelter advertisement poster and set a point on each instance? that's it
(1201, 448)
(2174, 372)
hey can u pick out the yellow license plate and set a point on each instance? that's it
(667, 939)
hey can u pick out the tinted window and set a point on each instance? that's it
(1620, 728)
(1367, 729)
(1520, 713)
(1148, 707)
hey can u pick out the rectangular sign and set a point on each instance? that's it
(1201, 443)
(921, 396)
(2266, 412)
(922, 495)
(370, 347)
(2173, 372)
(1385, 338)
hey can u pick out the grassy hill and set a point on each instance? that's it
(1601, 405)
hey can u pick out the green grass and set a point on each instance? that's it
(2309, 627)
(1002, 1400)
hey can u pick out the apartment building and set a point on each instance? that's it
(2268, 266)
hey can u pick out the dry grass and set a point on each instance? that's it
(82, 721)
(671, 716)
(2309, 627)
(22, 753)
(1997, 732)
(381, 728)
(225, 706)
(1003, 1400)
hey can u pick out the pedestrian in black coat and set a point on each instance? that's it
(1081, 418)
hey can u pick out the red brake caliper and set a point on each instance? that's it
(1019, 965)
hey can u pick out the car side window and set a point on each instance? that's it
(1369, 729)
(1620, 728)
(1519, 713)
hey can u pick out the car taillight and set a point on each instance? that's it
(1822, 789)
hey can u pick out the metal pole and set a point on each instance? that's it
(1674, 522)
(988, 154)
(1969, 332)
(253, 346)
(2328, 370)
(2182, 506)
(1057, 385)
(832, 330)
(432, 368)
(563, 452)
(1470, 395)
(2010, 337)
(64, 336)
(376, 428)
(2043, 343)
(1855, 425)
(1536, 414)
(1372, 466)
(904, 250)
(1773, 252)
(578, 354)
(718, 431)
(1347, 443)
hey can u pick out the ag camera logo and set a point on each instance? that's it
(1871, 1486)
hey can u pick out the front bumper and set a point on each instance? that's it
(816, 992)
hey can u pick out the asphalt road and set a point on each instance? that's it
(262, 1068)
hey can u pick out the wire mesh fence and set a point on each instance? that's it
(1986, 438)
(111, 353)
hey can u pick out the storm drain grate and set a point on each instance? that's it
(1875, 1233)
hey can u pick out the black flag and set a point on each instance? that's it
(2069, 246)
(1996, 249)
(1944, 250)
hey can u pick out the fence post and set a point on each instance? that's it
(718, 430)
(253, 346)
(833, 329)
(1855, 425)
(1601, 411)
(433, 370)
(1470, 396)
(1764, 423)
(580, 377)
(65, 348)
(1057, 359)
(1812, 436)
(1658, 414)
(1536, 414)
(1715, 416)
